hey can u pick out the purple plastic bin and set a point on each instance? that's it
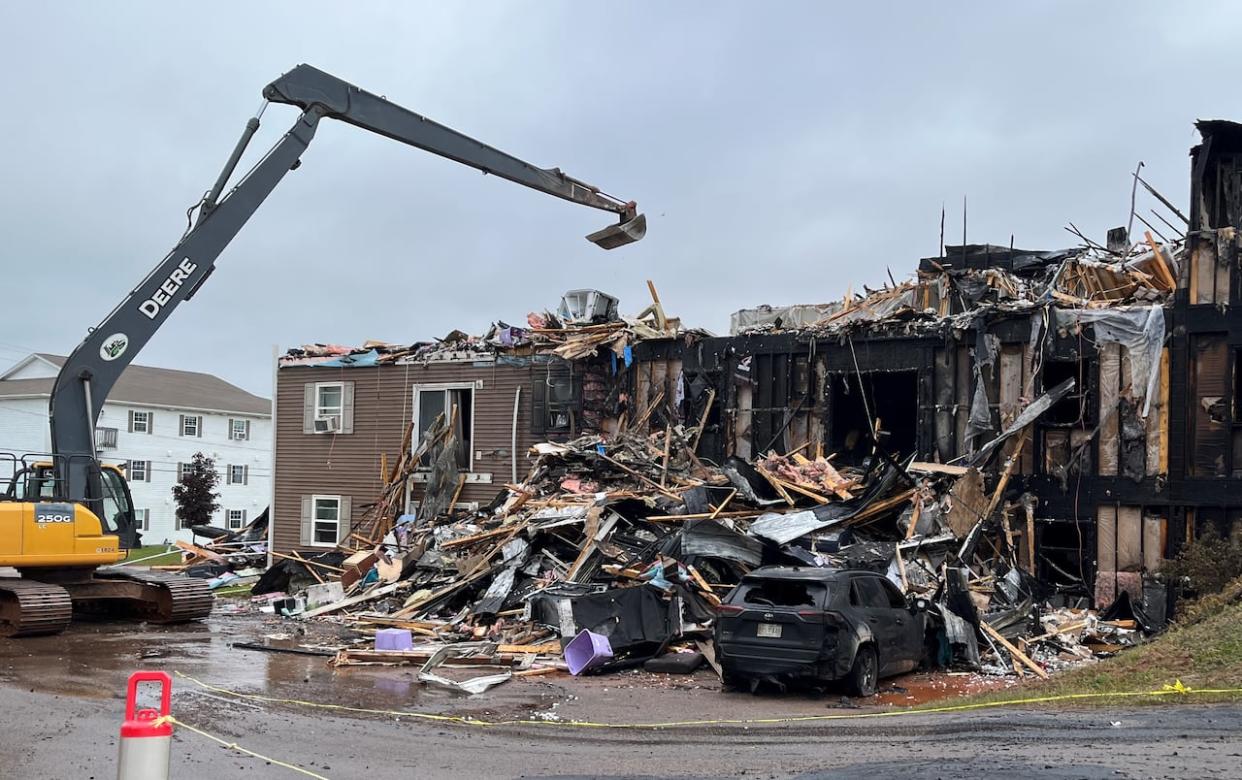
(393, 639)
(587, 651)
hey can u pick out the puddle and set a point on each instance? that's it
(94, 660)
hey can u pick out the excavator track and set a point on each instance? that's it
(145, 595)
(29, 608)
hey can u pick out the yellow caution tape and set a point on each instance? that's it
(234, 746)
(1176, 689)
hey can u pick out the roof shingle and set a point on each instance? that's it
(158, 387)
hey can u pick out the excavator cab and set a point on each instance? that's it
(38, 481)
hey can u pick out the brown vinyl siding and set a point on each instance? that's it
(349, 464)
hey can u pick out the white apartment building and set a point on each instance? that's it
(153, 422)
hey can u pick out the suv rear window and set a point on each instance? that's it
(784, 593)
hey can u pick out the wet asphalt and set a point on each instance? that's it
(61, 704)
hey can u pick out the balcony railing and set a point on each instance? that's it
(105, 438)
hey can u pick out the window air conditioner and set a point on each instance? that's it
(330, 424)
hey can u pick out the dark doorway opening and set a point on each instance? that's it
(891, 396)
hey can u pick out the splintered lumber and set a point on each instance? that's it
(834, 481)
(704, 587)
(466, 541)
(617, 570)
(1004, 479)
(588, 541)
(537, 671)
(880, 507)
(901, 568)
(640, 477)
(775, 483)
(201, 552)
(668, 441)
(1077, 625)
(925, 467)
(638, 424)
(547, 648)
(1014, 651)
(707, 408)
(914, 518)
(716, 512)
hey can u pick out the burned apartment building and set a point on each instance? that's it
(1139, 334)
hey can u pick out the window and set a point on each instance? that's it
(895, 599)
(139, 422)
(434, 401)
(785, 593)
(115, 500)
(236, 519)
(328, 407)
(143, 518)
(555, 401)
(185, 468)
(239, 475)
(191, 425)
(183, 524)
(326, 521)
(239, 430)
(329, 402)
(105, 438)
(138, 470)
(869, 593)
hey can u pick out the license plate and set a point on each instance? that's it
(770, 630)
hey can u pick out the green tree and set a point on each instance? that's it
(195, 493)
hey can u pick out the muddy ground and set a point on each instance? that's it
(62, 699)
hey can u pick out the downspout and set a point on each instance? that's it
(271, 503)
(517, 400)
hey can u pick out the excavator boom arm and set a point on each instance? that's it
(94, 367)
(307, 87)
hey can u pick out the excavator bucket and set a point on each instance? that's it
(614, 236)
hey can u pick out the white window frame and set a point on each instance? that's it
(130, 472)
(146, 420)
(143, 519)
(244, 434)
(315, 499)
(416, 391)
(320, 409)
(186, 419)
(241, 519)
(233, 480)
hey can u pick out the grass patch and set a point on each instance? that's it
(1204, 652)
(233, 591)
(166, 559)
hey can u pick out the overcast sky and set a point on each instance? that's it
(780, 151)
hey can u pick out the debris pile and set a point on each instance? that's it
(227, 558)
(615, 552)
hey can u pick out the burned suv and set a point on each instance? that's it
(785, 622)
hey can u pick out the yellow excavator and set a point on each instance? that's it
(65, 518)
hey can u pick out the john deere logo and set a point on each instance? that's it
(114, 346)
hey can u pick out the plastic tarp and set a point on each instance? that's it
(796, 316)
(1138, 329)
(357, 360)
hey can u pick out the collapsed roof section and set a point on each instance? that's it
(585, 321)
(977, 280)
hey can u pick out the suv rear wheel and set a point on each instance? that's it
(864, 674)
(731, 681)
